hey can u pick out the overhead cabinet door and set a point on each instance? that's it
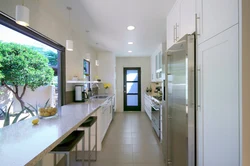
(187, 17)
(216, 16)
(218, 100)
(153, 76)
(173, 25)
(180, 21)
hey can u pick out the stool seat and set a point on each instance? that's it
(69, 142)
(89, 122)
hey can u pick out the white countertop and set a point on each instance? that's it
(26, 144)
(153, 98)
(82, 82)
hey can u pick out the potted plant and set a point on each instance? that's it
(150, 89)
(106, 86)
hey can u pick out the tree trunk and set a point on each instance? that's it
(19, 98)
(20, 101)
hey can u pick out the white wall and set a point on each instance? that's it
(48, 24)
(245, 91)
(106, 69)
(38, 97)
(144, 64)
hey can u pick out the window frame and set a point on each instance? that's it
(88, 85)
(9, 22)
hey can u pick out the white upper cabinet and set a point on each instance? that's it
(180, 21)
(153, 77)
(156, 63)
(187, 17)
(172, 23)
(216, 16)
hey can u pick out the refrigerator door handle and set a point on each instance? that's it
(199, 88)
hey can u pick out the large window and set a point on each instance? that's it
(32, 67)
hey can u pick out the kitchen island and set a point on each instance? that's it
(26, 144)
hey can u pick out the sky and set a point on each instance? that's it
(8, 35)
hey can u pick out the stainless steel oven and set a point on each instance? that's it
(156, 118)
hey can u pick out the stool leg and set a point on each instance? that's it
(89, 145)
(83, 151)
(76, 153)
(67, 159)
(96, 140)
(54, 159)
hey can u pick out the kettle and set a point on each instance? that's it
(84, 95)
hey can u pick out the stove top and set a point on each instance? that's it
(159, 98)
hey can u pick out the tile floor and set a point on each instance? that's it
(130, 141)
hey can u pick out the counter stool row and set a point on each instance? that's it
(74, 138)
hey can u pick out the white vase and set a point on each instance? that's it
(106, 91)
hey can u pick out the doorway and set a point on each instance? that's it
(132, 89)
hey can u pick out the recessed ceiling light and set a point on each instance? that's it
(129, 51)
(130, 43)
(130, 28)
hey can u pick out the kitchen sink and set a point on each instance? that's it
(100, 97)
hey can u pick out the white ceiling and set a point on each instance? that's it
(107, 21)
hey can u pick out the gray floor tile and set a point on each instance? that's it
(130, 141)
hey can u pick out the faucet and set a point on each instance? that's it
(95, 85)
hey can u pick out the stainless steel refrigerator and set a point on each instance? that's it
(179, 103)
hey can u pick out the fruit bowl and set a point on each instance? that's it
(47, 112)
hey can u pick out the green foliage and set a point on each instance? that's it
(52, 57)
(7, 115)
(1, 74)
(45, 106)
(32, 109)
(21, 66)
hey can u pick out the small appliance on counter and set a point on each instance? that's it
(80, 94)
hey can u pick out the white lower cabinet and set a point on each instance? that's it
(218, 101)
(147, 105)
(104, 118)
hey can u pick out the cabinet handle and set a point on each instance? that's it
(196, 24)
(176, 29)
(174, 33)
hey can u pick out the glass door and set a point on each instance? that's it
(132, 89)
